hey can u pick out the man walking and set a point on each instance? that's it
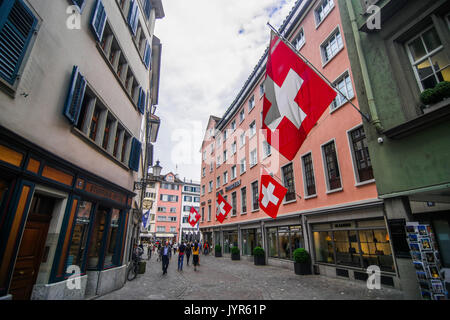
(165, 252)
(188, 251)
(181, 250)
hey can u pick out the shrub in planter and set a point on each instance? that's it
(235, 253)
(443, 90)
(302, 262)
(218, 250)
(437, 94)
(259, 256)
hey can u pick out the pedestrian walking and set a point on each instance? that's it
(181, 251)
(188, 252)
(149, 251)
(175, 248)
(195, 255)
(159, 253)
(165, 252)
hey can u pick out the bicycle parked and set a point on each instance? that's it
(133, 269)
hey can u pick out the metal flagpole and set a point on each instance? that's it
(315, 69)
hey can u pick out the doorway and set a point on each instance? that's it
(32, 247)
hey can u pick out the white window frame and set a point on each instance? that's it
(320, 4)
(243, 160)
(299, 45)
(233, 148)
(233, 172)
(242, 202)
(427, 56)
(225, 158)
(225, 177)
(233, 125)
(262, 90)
(251, 103)
(342, 77)
(282, 179)
(218, 182)
(305, 186)
(325, 169)
(253, 124)
(332, 35)
(251, 190)
(235, 193)
(358, 182)
(266, 147)
(243, 141)
(210, 185)
(253, 154)
(203, 171)
(241, 115)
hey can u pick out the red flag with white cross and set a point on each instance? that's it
(271, 195)
(194, 217)
(223, 208)
(295, 98)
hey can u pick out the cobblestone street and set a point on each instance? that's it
(224, 279)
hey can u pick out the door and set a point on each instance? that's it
(31, 248)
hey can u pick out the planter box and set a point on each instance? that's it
(260, 260)
(218, 254)
(302, 268)
(236, 256)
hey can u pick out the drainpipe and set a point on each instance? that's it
(365, 74)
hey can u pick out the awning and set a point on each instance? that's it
(165, 235)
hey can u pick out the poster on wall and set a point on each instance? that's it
(423, 250)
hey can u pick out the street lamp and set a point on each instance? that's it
(157, 169)
(141, 185)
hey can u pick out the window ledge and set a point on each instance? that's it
(7, 88)
(311, 197)
(289, 202)
(436, 113)
(243, 213)
(256, 210)
(335, 190)
(360, 184)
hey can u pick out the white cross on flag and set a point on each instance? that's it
(194, 217)
(295, 98)
(223, 208)
(271, 195)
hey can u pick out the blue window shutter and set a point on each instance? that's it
(17, 24)
(135, 154)
(147, 8)
(147, 54)
(75, 96)
(133, 16)
(80, 4)
(141, 101)
(98, 21)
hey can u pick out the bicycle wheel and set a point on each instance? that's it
(132, 273)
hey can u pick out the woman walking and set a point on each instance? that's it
(188, 252)
(195, 253)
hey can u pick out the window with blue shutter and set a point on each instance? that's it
(133, 16)
(135, 154)
(147, 55)
(142, 101)
(99, 20)
(17, 25)
(147, 8)
(80, 4)
(75, 96)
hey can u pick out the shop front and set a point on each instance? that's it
(230, 240)
(251, 238)
(59, 225)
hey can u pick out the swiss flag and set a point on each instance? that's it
(271, 195)
(223, 208)
(294, 100)
(194, 217)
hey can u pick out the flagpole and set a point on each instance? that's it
(273, 175)
(315, 69)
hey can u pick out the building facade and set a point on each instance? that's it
(332, 207)
(190, 199)
(398, 50)
(74, 94)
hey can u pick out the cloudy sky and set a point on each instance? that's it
(210, 48)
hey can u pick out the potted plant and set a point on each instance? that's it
(259, 256)
(302, 262)
(435, 96)
(235, 253)
(218, 250)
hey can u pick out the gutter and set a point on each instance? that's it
(365, 74)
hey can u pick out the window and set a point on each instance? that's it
(225, 156)
(242, 115)
(225, 135)
(196, 199)
(331, 47)
(331, 166)
(253, 158)
(267, 149)
(203, 214)
(168, 198)
(233, 172)
(429, 60)
(242, 139)
(17, 27)
(188, 198)
(283, 241)
(251, 103)
(225, 177)
(160, 229)
(288, 181)
(261, 89)
(255, 196)
(218, 162)
(161, 219)
(233, 125)
(96, 242)
(212, 148)
(234, 204)
(211, 167)
(173, 210)
(300, 40)
(323, 10)
(243, 164)
(162, 209)
(345, 87)
(210, 186)
(203, 190)
(209, 213)
(233, 148)
(204, 156)
(244, 200)
(361, 155)
(252, 129)
(172, 219)
(308, 175)
(203, 172)
(218, 182)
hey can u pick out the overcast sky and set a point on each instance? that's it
(210, 48)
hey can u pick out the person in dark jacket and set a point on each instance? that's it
(181, 251)
(188, 252)
(165, 253)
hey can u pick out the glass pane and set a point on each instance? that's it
(78, 244)
(296, 238)
(323, 246)
(431, 39)
(429, 83)
(97, 237)
(112, 238)
(272, 236)
(417, 49)
(440, 60)
(3, 188)
(444, 75)
(442, 230)
(283, 241)
(424, 69)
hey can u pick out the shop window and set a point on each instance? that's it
(295, 239)
(347, 249)
(113, 238)
(442, 229)
(323, 246)
(78, 244)
(272, 242)
(283, 243)
(376, 249)
(96, 242)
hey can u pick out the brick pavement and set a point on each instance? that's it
(224, 279)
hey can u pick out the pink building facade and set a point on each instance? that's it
(332, 207)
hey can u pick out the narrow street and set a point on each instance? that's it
(224, 279)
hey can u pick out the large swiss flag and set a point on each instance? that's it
(223, 208)
(294, 100)
(271, 195)
(194, 217)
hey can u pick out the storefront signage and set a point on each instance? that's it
(104, 193)
(232, 186)
(343, 225)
